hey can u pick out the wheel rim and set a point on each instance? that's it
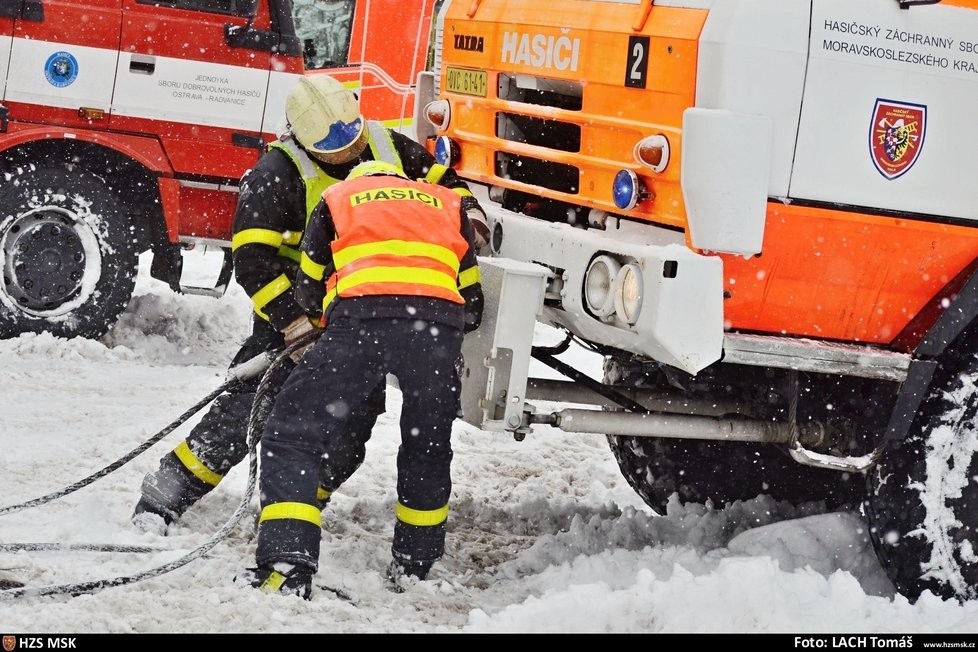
(51, 260)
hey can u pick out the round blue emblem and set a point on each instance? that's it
(61, 69)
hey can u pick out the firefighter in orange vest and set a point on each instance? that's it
(327, 138)
(401, 287)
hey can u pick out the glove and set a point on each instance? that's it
(299, 327)
(480, 227)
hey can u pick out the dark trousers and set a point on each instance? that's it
(219, 441)
(311, 414)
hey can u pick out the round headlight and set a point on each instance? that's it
(446, 151)
(626, 190)
(598, 284)
(628, 293)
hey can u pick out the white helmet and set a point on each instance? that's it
(324, 116)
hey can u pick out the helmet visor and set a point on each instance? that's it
(340, 136)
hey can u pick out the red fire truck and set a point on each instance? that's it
(125, 125)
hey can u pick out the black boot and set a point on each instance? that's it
(167, 494)
(403, 574)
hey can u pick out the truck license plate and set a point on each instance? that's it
(467, 82)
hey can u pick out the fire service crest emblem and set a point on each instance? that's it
(9, 643)
(896, 136)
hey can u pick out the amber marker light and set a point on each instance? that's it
(438, 113)
(653, 152)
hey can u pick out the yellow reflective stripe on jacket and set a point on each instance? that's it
(271, 238)
(294, 511)
(311, 268)
(423, 518)
(412, 275)
(435, 173)
(468, 277)
(257, 236)
(442, 254)
(292, 254)
(382, 144)
(328, 299)
(195, 466)
(262, 297)
(323, 494)
(314, 177)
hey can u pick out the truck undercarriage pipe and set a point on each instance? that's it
(679, 426)
(563, 391)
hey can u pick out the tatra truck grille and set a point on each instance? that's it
(538, 131)
(541, 91)
(548, 109)
(547, 174)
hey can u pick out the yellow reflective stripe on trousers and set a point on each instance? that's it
(420, 517)
(195, 466)
(311, 268)
(294, 511)
(464, 192)
(323, 494)
(468, 277)
(443, 255)
(257, 236)
(410, 275)
(262, 297)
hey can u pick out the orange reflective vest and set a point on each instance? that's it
(394, 237)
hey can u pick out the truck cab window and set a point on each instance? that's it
(323, 28)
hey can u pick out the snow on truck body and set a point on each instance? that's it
(768, 203)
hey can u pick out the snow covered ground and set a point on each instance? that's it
(544, 535)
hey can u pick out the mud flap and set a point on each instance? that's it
(205, 270)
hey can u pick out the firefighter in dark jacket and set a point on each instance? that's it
(401, 286)
(327, 138)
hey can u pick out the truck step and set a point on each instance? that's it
(815, 356)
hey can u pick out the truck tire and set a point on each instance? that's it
(718, 471)
(922, 504)
(67, 250)
(723, 472)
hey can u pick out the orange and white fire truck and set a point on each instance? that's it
(125, 125)
(764, 214)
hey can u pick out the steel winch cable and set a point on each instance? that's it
(80, 547)
(98, 585)
(238, 374)
(276, 367)
(131, 455)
